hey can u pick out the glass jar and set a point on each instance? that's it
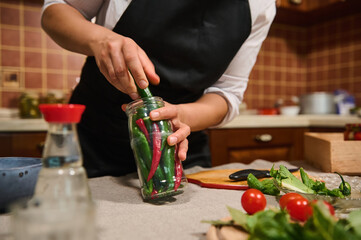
(160, 171)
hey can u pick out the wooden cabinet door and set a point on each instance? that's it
(28, 144)
(22, 144)
(247, 145)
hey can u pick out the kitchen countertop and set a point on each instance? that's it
(241, 121)
(121, 213)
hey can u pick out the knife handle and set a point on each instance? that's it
(243, 174)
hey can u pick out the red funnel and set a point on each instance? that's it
(62, 113)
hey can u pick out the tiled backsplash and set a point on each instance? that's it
(298, 60)
(293, 60)
(40, 64)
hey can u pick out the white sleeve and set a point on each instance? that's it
(233, 82)
(87, 8)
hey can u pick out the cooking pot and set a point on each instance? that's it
(318, 103)
(18, 177)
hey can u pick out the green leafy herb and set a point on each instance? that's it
(276, 224)
(289, 181)
(266, 186)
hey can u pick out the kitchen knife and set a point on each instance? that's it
(243, 174)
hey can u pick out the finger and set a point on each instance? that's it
(132, 61)
(182, 150)
(180, 134)
(148, 67)
(124, 107)
(124, 80)
(167, 112)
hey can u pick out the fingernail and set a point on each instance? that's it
(172, 141)
(154, 115)
(134, 95)
(143, 84)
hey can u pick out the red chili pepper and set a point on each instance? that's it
(141, 125)
(178, 171)
(157, 153)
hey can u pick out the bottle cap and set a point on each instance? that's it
(62, 113)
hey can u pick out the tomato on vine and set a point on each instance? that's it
(253, 201)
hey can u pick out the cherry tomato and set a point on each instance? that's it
(299, 209)
(253, 201)
(288, 197)
(328, 205)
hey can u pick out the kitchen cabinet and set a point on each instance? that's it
(22, 144)
(308, 12)
(245, 145)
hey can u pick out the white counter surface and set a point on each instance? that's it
(242, 121)
(121, 213)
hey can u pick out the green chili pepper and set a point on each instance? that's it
(168, 164)
(139, 137)
(344, 187)
(142, 150)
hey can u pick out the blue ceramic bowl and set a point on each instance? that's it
(18, 177)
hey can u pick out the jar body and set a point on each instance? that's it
(160, 171)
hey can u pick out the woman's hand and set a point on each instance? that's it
(115, 54)
(181, 130)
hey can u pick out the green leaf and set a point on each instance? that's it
(355, 221)
(238, 217)
(219, 222)
(289, 181)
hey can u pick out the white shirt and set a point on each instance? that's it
(233, 82)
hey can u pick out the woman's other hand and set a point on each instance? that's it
(180, 130)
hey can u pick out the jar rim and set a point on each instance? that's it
(132, 106)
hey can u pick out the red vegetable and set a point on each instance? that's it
(178, 171)
(157, 153)
(299, 209)
(143, 128)
(288, 197)
(253, 201)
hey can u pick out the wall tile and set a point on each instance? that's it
(54, 61)
(10, 37)
(9, 16)
(32, 18)
(33, 80)
(54, 81)
(32, 39)
(33, 60)
(10, 58)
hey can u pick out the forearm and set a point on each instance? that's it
(208, 111)
(67, 27)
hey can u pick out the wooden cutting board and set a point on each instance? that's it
(219, 179)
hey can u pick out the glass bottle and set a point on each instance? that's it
(62, 174)
(61, 207)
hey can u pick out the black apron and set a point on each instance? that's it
(191, 43)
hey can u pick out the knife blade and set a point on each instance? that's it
(243, 174)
